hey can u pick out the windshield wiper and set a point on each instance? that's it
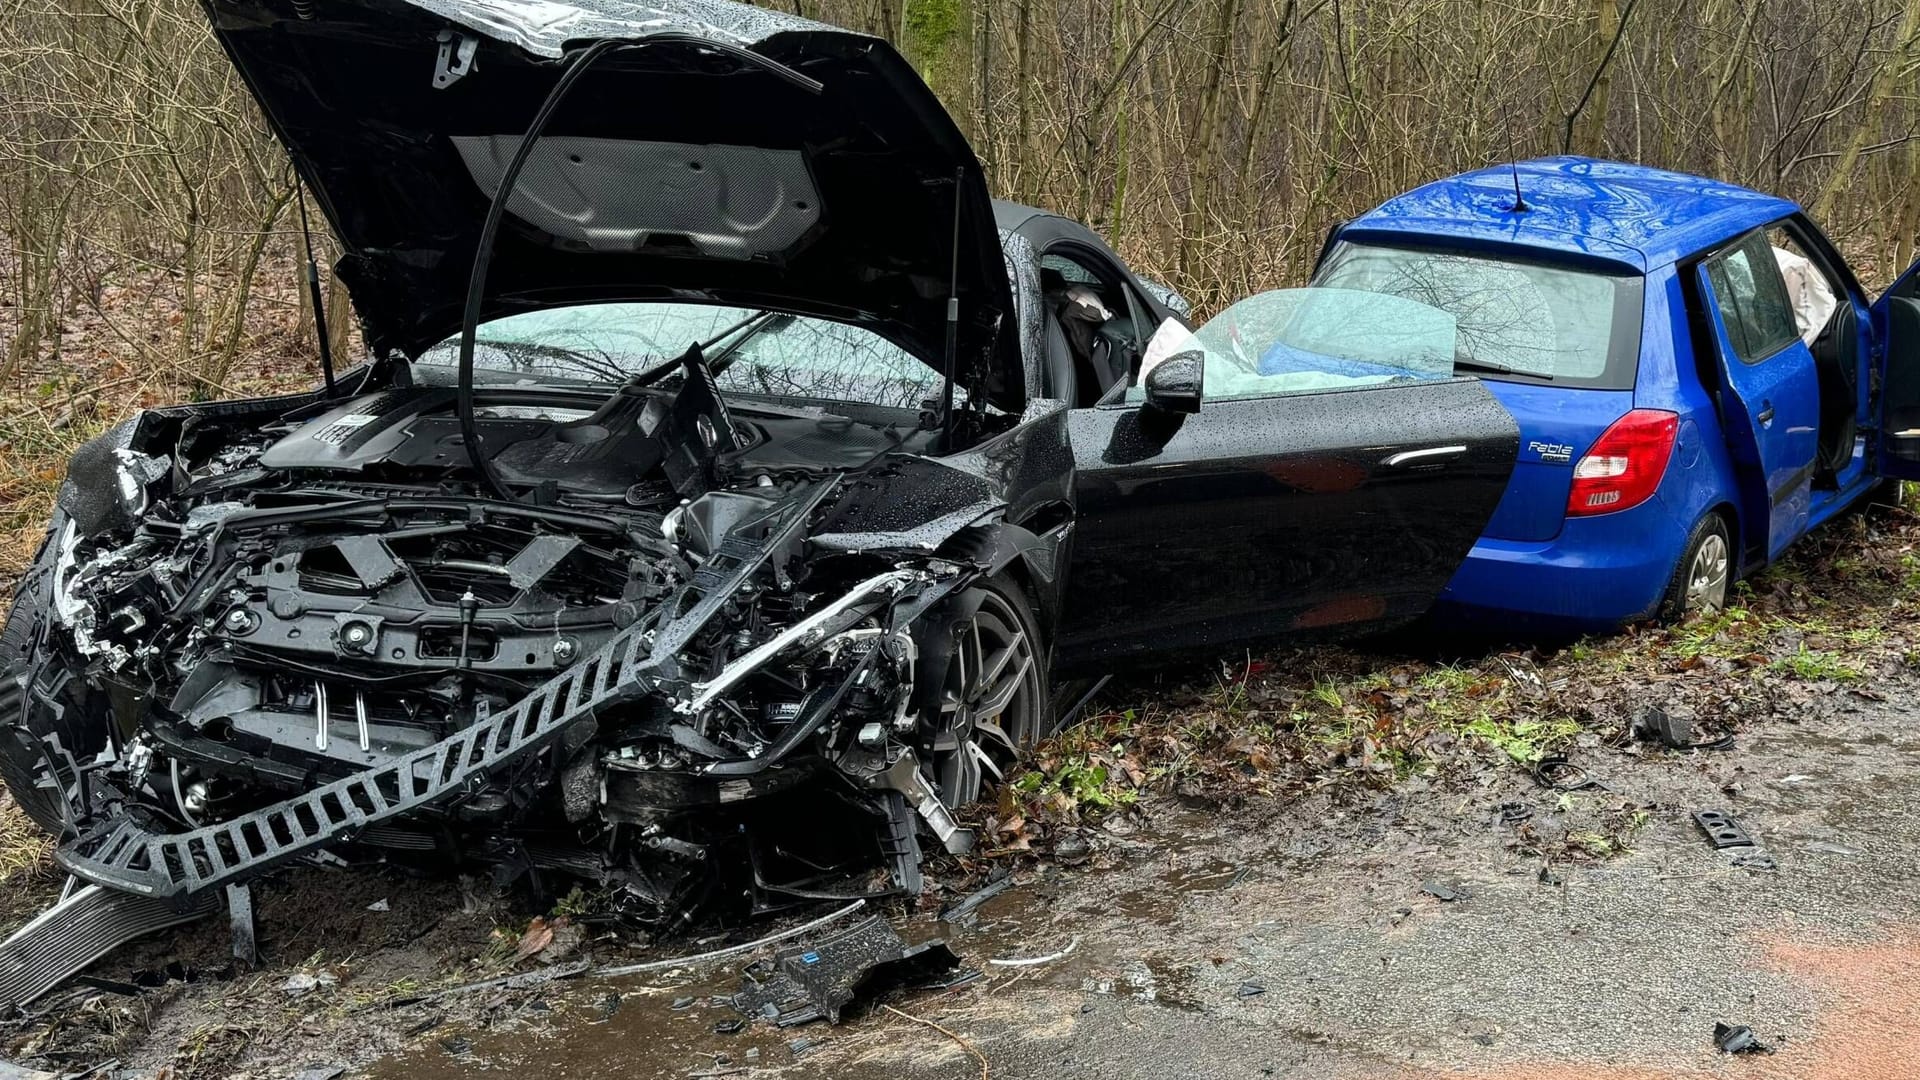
(660, 371)
(596, 365)
(1461, 364)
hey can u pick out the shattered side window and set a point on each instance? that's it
(789, 356)
(1306, 341)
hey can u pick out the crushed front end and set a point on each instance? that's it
(690, 687)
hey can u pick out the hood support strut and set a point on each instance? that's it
(497, 208)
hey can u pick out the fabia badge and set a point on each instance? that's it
(1557, 453)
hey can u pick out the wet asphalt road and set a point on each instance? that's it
(1297, 943)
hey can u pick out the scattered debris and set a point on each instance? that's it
(807, 983)
(1444, 892)
(1513, 813)
(457, 1045)
(1556, 773)
(380, 905)
(960, 910)
(1674, 731)
(729, 1027)
(1549, 877)
(518, 981)
(301, 984)
(1738, 1039)
(320, 1072)
(731, 950)
(1722, 831)
(1072, 849)
(1249, 989)
(83, 926)
(1034, 961)
(1755, 860)
(424, 1024)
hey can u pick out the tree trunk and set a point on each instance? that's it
(1879, 92)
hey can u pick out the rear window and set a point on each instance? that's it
(1518, 320)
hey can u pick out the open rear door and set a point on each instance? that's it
(1896, 335)
(1770, 385)
(1305, 495)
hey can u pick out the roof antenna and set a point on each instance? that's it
(951, 359)
(1519, 201)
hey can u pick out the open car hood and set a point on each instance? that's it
(677, 170)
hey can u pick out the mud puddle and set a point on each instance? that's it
(682, 1023)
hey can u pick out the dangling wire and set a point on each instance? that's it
(313, 286)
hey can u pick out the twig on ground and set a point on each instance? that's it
(964, 1044)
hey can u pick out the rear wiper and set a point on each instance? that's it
(1498, 369)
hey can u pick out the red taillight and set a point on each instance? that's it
(1624, 465)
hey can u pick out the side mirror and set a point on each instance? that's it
(1174, 384)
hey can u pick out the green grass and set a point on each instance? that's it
(1813, 665)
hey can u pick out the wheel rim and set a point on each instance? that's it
(989, 704)
(1707, 577)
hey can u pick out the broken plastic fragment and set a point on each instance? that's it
(1738, 1039)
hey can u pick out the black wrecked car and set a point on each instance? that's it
(733, 492)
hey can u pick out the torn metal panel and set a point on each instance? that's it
(824, 979)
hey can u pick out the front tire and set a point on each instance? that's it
(992, 705)
(1704, 574)
(48, 719)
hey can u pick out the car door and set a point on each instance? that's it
(1770, 389)
(1896, 334)
(1269, 515)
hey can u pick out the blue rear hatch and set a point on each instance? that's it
(1557, 425)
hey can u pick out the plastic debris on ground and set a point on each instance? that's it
(962, 910)
(820, 981)
(1673, 731)
(1722, 831)
(1443, 892)
(1738, 1039)
(1556, 773)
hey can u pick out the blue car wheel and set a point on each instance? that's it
(1704, 573)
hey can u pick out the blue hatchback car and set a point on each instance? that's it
(1697, 376)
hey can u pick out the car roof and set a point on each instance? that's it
(1632, 214)
(1011, 216)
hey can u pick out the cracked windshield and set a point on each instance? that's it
(749, 352)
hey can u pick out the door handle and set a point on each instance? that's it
(1765, 415)
(1430, 456)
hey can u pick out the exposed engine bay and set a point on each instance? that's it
(701, 661)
